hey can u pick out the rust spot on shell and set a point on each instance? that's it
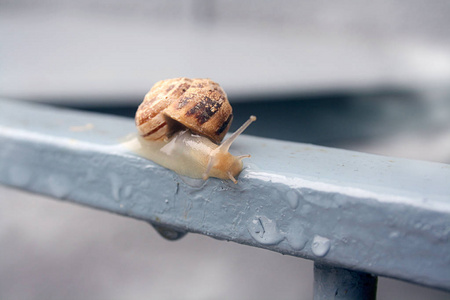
(183, 102)
(205, 109)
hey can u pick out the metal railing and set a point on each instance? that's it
(355, 215)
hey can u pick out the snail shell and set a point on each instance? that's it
(181, 123)
(200, 105)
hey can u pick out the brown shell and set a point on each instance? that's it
(198, 104)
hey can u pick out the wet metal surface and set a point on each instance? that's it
(381, 215)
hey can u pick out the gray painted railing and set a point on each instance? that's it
(356, 215)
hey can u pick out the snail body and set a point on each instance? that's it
(181, 123)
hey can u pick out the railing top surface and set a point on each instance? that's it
(383, 215)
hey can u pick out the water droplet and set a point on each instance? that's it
(19, 175)
(126, 192)
(296, 237)
(166, 201)
(320, 245)
(306, 209)
(292, 198)
(115, 186)
(169, 233)
(394, 234)
(118, 191)
(59, 186)
(418, 225)
(297, 242)
(265, 231)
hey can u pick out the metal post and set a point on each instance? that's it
(338, 283)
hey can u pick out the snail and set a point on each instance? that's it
(181, 123)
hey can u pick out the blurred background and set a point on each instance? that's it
(360, 75)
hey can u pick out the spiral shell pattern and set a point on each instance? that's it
(200, 105)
